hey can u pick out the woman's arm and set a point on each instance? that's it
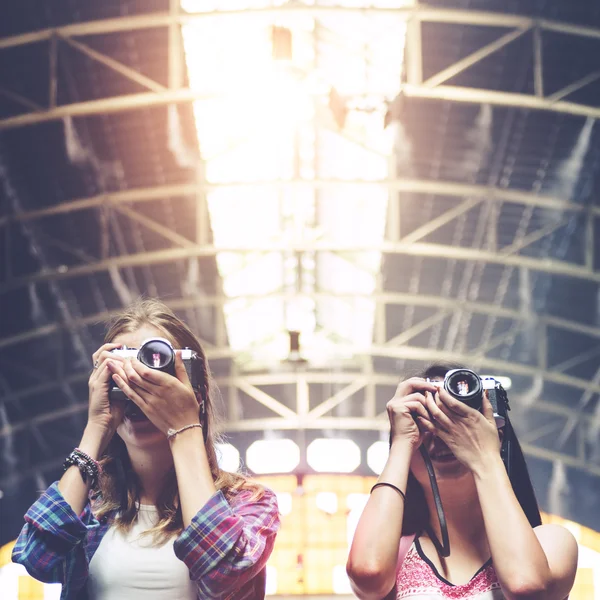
(228, 544)
(530, 563)
(171, 404)
(373, 558)
(223, 545)
(104, 417)
(71, 485)
(194, 478)
(50, 544)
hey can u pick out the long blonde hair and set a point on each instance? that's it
(119, 487)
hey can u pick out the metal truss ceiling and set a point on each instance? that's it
(513, 256)
(432, 88)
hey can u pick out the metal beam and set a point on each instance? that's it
(567, 459)
(573, 87)
(432, 354)
(266, 400)
(249, 383)
(481, 96)
(186, 95)
(318, 411)
(415, 15)
(381, 298)
(445, 218)
(115, 65)
(473, 58)
(402, 185)
(104, 106)
(420, 12)
(53, 76)
(418, 328)
(152, 225)
(346, 423)
(414, 51)
(20, 100)
(288, 378)
(538, 63)
(573, 361)
(533, 237)
(438, 251)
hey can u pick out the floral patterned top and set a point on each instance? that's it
(418, 579)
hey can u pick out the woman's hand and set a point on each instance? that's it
(408, 402)
(169, 402)
(102, 412)
(470, 435)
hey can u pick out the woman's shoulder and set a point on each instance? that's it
(560, 547)
(557, 542)
(251, 492)
(258, 504)
(554, 532)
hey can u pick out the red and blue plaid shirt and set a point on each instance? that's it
(225, 547)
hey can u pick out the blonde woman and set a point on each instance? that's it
(143, 510)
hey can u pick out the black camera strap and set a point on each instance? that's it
(443, 548)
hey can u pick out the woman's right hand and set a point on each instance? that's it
(407, 403)
(102, 412)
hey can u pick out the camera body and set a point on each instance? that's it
(468, 387)
(156, 353)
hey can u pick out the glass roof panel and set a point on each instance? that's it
(291, 131)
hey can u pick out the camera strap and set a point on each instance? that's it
(443, 548)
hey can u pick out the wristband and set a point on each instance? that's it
(386, 484)
(88, 467)
(171, 433)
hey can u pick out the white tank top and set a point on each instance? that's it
(126, 566)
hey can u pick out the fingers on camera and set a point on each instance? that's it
(415, 384)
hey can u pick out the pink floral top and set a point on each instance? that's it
(418, 579)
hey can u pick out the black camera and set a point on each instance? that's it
(156, 353)
(468, 387)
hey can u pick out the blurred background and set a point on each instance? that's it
(333, 194)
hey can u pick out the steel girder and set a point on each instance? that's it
(431, 88)
(299, 416)
(428, 250)
(404, 185)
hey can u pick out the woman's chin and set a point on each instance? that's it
(139, 430)
(449, 469)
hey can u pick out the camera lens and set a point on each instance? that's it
(156, 354)
(465, 385)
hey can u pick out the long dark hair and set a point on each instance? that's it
(416, 513)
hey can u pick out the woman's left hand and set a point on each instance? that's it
(470, 435)
(169, 402)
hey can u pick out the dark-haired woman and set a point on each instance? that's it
(165, 521)
(499, 548)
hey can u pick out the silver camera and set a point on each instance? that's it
(156, 353)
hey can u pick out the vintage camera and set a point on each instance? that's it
(468, 387)
(156, 353)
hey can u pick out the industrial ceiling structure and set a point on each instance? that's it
(394, 182)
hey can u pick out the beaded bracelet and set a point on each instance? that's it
(88, 467)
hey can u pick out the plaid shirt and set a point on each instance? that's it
(225, 547)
